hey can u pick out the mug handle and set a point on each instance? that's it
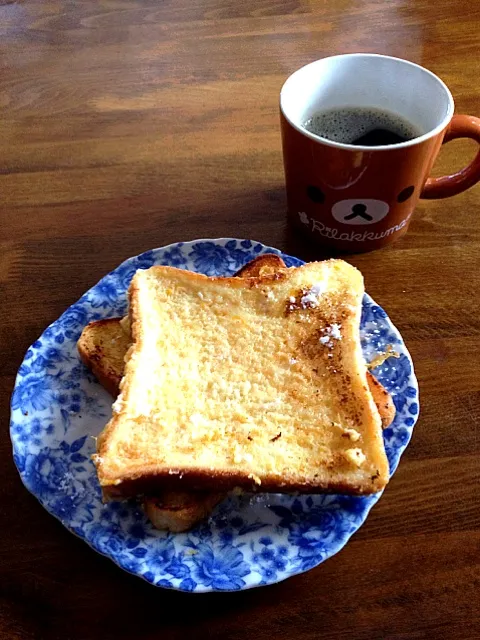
(460, 126)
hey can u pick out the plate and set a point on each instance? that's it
(58, 408)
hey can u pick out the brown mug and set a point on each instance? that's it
(354, 197)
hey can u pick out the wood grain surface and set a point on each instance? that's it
(127, 125)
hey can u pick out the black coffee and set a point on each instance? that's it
(365, 126)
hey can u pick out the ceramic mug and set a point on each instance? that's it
(358, 198)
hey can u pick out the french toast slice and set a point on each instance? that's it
(103, 346)
(209, 358)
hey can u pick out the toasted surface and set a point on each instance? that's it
(244, 382)
(104, 344)
(102, 347)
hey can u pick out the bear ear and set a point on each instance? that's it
(405, 194)
(315, 194)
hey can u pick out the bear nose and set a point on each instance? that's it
(359, 210)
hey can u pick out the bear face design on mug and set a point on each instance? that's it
(358, 211)
(346, 220)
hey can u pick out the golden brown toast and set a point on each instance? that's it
(103, 346)
(209, 358)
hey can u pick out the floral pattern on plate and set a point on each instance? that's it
(58, 408)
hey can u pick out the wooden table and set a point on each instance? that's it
(129, 125)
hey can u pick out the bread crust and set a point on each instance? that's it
(97, 357)
(267, 264)
(150, 482)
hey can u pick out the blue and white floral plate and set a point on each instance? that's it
(58, 407)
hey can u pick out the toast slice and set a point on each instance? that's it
(103, 346)
(256, 382)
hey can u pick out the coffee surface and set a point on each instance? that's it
(366, 126)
